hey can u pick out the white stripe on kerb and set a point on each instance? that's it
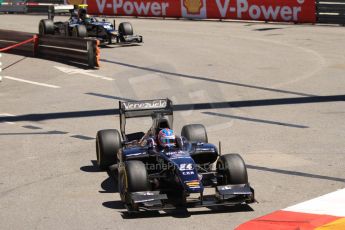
(330, 204)
(32, 82)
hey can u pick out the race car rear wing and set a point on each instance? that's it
(144, 108)
(59, 9)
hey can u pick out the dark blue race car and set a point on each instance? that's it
(82, 25)
(155, 178)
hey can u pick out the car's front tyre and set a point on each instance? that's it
(108, 143)
(133, 177)
(125, 29)
(231, 170)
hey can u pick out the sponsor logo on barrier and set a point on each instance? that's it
(194, 8)
(257, 10)
(264, 10)
(135, 8)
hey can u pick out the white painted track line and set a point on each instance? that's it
(72, 71)
(32, 82)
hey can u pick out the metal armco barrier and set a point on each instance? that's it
(60, 48)
(9, 38)
(46, 1)
(28, 6)
(79, 50)
(13, 6)
(331, 11)
(41, 6)
(31, 40)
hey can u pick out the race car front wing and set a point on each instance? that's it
(132, 39)
(127, 39)
(226, 195)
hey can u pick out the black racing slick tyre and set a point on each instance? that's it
(133, 177)
(232, 170)
(195, 133)
(108, 143)
(79, 31)
(125, 28)
(46, 26)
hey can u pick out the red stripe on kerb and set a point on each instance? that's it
(285, 220)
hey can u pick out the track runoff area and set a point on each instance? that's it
(272, 92)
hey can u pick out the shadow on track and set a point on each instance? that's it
(267, 29)
(14, 63)
(55, 132)
(180, 107)
(109, 185)
(91, 168)
(27, 54)
(256, 120)
(116, 46)
(186, 213)
(149, 69)
(295, 173)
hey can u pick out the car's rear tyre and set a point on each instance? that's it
(67, 31)
(110, 40)
(46, 26)
(79, 31)
(232, 170)
(125, 28)
(195, 133)
(133, 177)
(108, 143)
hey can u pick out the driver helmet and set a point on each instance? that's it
(82, 13)
(166, 138)
(87, 18)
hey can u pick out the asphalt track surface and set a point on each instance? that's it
(272, 92)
